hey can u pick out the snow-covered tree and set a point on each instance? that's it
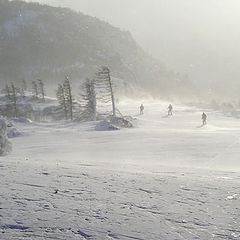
(105, 88)
(62, 100)
(88, 101)
(5, 145)
(41, 90)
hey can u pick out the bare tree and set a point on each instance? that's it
(105, 87)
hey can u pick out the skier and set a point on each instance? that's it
(141, 109)
(170, 108)
(204, 118)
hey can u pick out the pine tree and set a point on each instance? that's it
(7, 92)
(14, 99)
(24, 85)
(41, 89)
(105, 88)
(11, 100)
(62, 100)
(23, 88)
(35, 89)
(88, 101)
(68, 96)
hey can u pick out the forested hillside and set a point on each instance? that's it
(39, 41)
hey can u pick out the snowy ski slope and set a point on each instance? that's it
(168, 178)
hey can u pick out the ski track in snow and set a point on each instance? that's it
(165, 179)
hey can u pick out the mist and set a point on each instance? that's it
(119, 119)
(199, 38)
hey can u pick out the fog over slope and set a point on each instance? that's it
(199, 38)
(48, 43)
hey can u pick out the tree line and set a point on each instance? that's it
(97, 90)
(16, 94)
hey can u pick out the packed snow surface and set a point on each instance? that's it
(167, 178)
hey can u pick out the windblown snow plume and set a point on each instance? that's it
(5, 145)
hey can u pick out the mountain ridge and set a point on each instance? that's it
(41, 41)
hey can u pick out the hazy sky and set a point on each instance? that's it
(198, 37)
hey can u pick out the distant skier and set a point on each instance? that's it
(170, 108)
(141, 109)
(204, 118)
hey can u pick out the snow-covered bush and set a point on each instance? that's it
(13, 132)
(120, 122)
(21, 120)
(52, 113)
(5, 145)
(105, 126)
(114, 123)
